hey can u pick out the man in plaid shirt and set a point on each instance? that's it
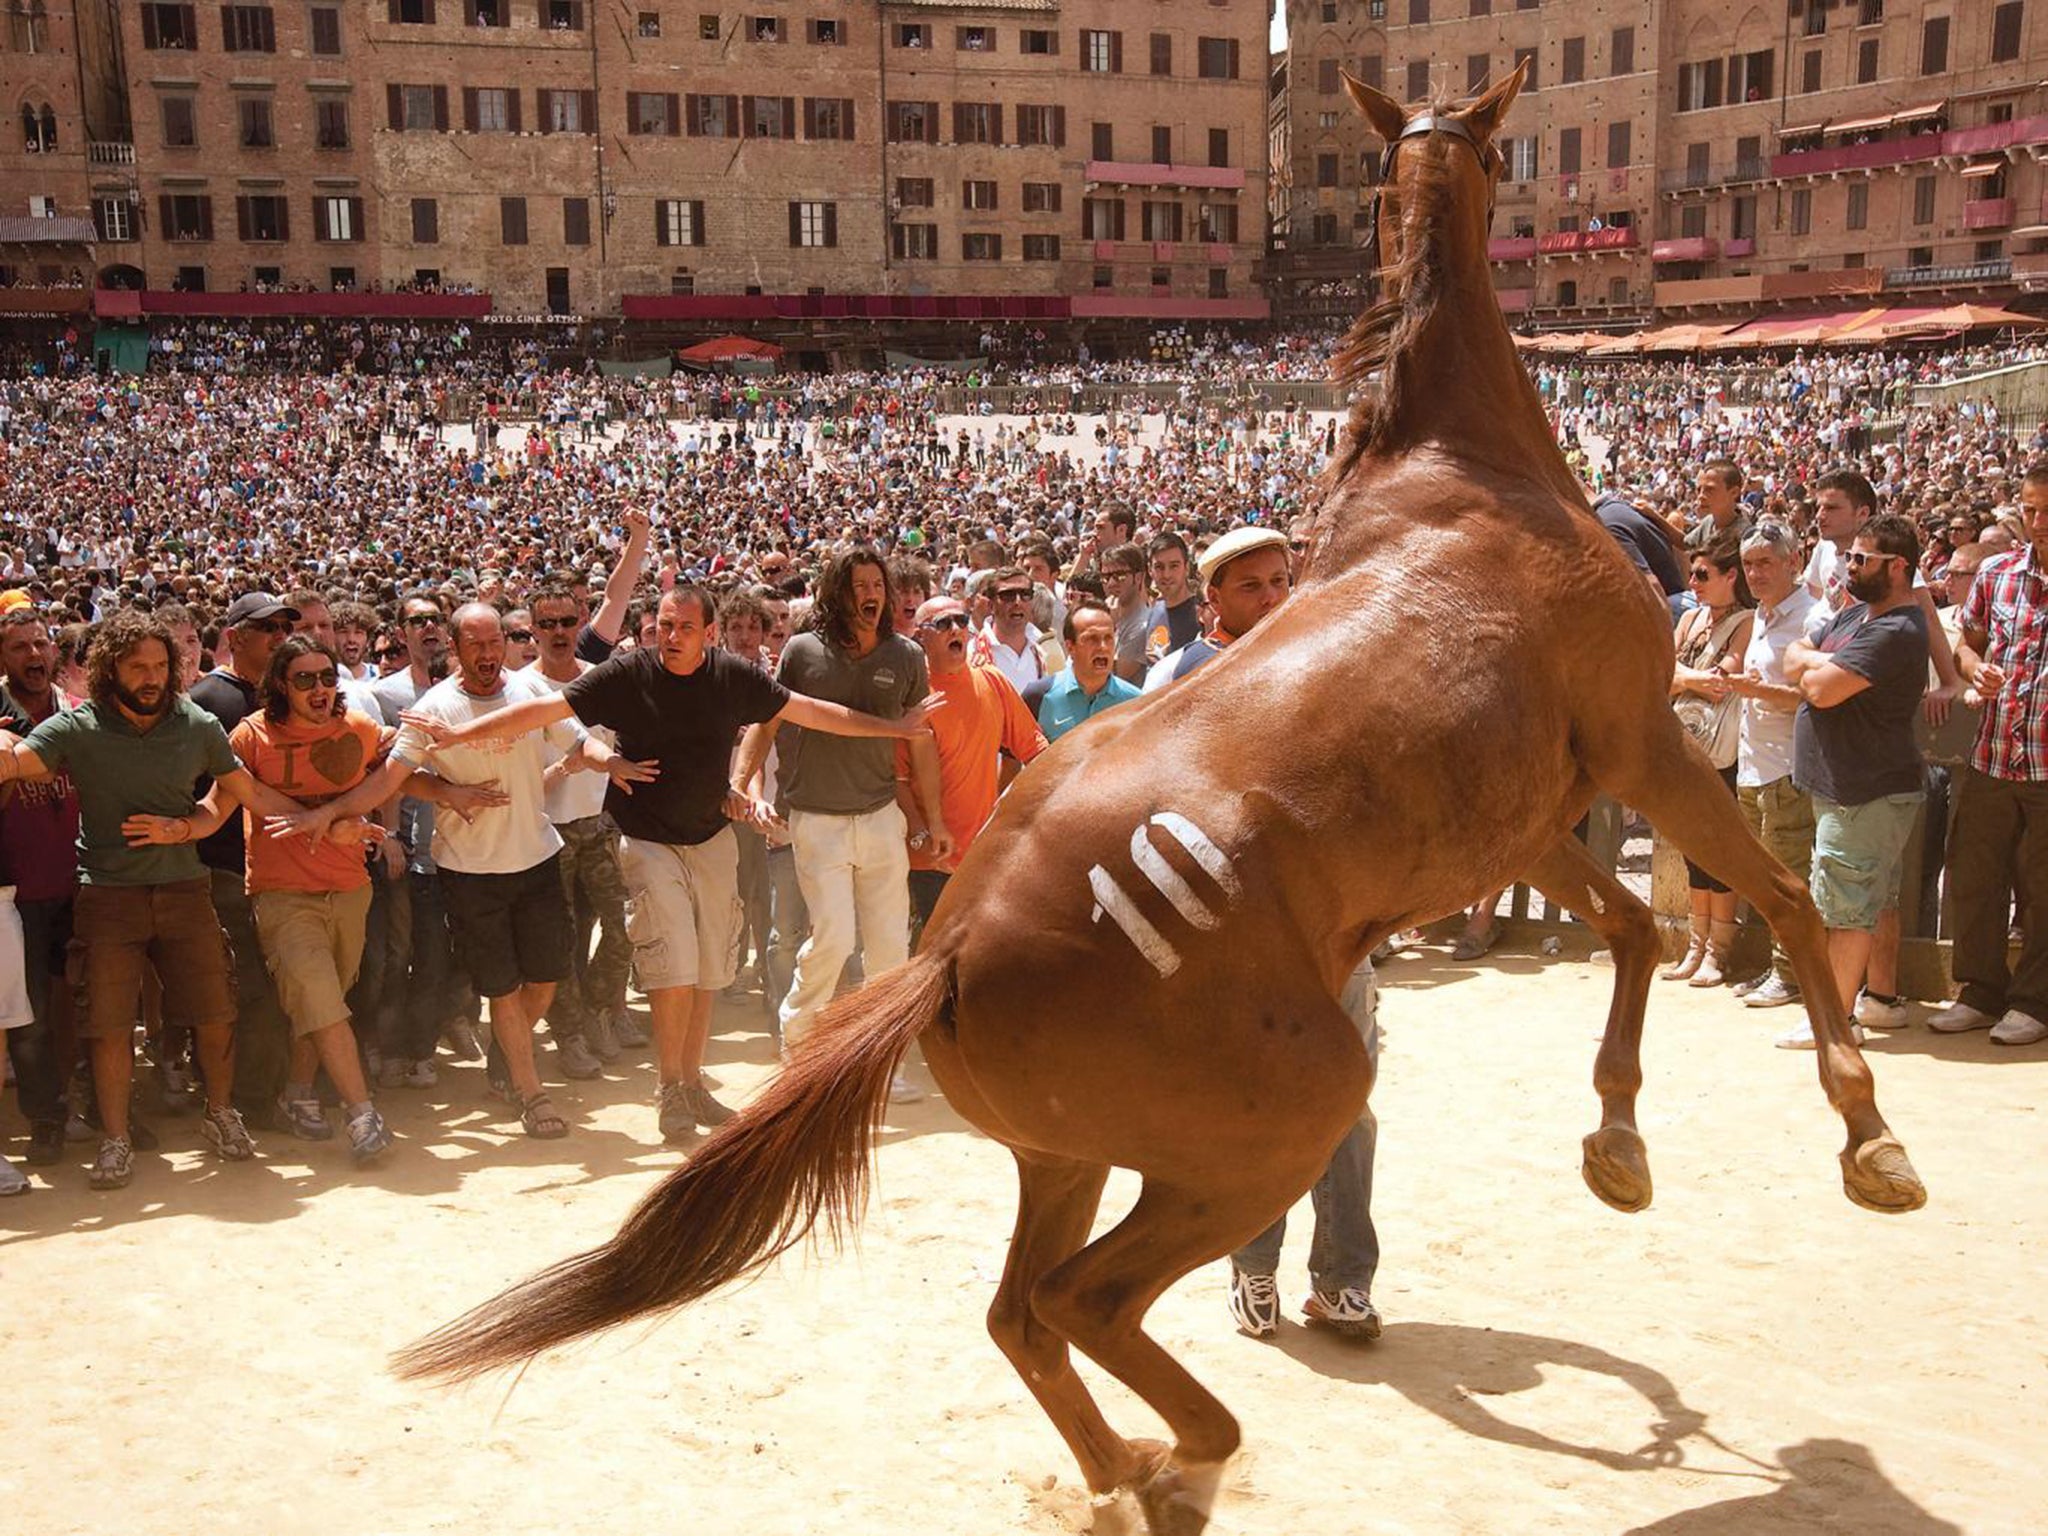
(2001, 831)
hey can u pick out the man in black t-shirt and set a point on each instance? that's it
(678, 709)
(1854, 751)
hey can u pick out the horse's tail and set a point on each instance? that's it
(754, 1190)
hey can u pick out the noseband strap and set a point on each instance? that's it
(1416, 128)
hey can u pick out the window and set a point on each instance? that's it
(1216, 58)
(561, 15)
(1520, 155)
(1742, 219)
(974, 39)
(913, 122)
(769, 117)
(169, 26)
(417, 108)
(575, 221)
(1802, 211)
(180, 123)
(1987, 250)
(1816, 18)
(1934, 46)
(1102, 218)
(1858, 213)
(487, 13)
(1749, 76)
(2005, 32)
(262, 219)
(647, 23)
(712, 117)
(914, 191)
(1102, 53)
(1418, 12)
(326, 30)
(1870, 13)
(1041, 197)
(1326, 170)
(1480, 8)
(1162, 221)
(330, 122)
(1041, 247)
(490, 109)
(252, 116)
(1621, 51)
(828, 117)
(1418, 79)
(1692, 221)
(1042, 125)
(1476, 65)
(708, 28)
(977, 122)
(185, 216)
(1219, 147)
(567, 111)
(426, 221)
(1527, 56)
(766, 29)
(981, 247)
(814, 225)
(1568, 151)
(1323, 229)
(1998, 112)
(827, 31)
(512, 220)
(1162, 144)
(1101, 277)
(1809, 72)
(678, 221)
(1699, 85)
(1568, 294)
(652, 112)
(915, 242)
(1572, 64)
(1866, 61)
(1619, 136)
(1039, 41)
(1216, 223)
(1102, 141)
(912, 34)
(248, 29)
(1923, 199)
(979, 196)
(412, 13)
(337, 219)
(114, 217)
(1326, 77)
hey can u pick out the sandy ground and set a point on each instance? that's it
(206, 1350)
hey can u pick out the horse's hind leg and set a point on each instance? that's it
(1616, 1164)
(1056, 1203)
(1674, 786)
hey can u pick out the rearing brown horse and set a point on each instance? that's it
(1137, 964)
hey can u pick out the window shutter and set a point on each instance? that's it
(995, 123)
(319, 218)
(241, 218)
(1116, 53)
(441, 108)
(831, 224)
(392, 13)
(149, 37)
(732, 117)
(789, 117)
(747, 130)
(931, 122)
(696, 222)
(586, 111)
(672, 113)
(796, 224)
(469, 115)
(355, 218)
(660, 222)
(846, 118)
(427, 11)
(544, 104)
(227, 29)
(695, 106)
(1059, 127)
(394, 105)
(1233, 58)
(206, 218)
(284, 219)
(163, 209)
(512, 95)
(267, 31)
(810, 117)
(1055, 34)
(959, 122)
(575, 15)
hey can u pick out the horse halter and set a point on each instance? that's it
(1490, 162)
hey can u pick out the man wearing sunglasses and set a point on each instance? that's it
(1854, 752)
(1009, 642)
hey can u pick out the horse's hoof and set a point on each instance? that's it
(1617, 1167)
(1179, 1497)
(1879, 1177)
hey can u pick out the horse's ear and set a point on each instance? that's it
(1380, 109)
(1491, 110)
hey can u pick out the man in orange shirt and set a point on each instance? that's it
(984, 735)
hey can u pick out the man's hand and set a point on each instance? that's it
(392, 853)
(1989, 681)
(433, 728)
(913, 719)
(355, 832)
(1939, 701)
(941, 845)
(310, 824)
(749, 811)
(625, 773)
(637, 523)
(156, 831)
(467, 800)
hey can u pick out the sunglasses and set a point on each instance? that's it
(1858, 558)
(306, 682)
(1015, 595)
(949, 621)
(391, 653)
(422, 620)
(519, 636)
(264, 627)
(547, 625)
(1701, 573)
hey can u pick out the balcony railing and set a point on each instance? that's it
(1743, 246)
(1511, 248)
(1948, 277)
(1135, 173)
(1689, 248)
(1989, 138)
(103, 152)
(1728, 173)
(1988, 213)
(1571, 242)
(2030, 269)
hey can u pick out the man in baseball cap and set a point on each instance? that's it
(1245, 575)
(257, 608)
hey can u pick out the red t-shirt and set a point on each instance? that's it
(39, 833)
(312, 764)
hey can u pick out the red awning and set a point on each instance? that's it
(726, 349)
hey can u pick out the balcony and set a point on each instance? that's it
(101, 152)
(1512, 248)
(1738, 248)
(1690, 248)
(1949, 277)
(1696, 178)
(1685, 293)
(1515, 301)
(1987, 139)
(1586, 242)
(1138, 173)
(1988, 213)
(1830, 283)
(2030, 270)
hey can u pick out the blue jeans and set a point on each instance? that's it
(789, 923)
(1345, 1250)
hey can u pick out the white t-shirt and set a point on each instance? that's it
(507, 839)
(14, 1009)
(581, 794)
(1765, 755)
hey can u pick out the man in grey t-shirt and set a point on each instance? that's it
(852, 859)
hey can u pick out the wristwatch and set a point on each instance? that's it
(919, 839)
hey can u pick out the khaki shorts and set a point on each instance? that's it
(118, 931)
(313, 947)
(683, 911)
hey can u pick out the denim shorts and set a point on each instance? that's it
(1858, 855)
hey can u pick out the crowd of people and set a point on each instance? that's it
(358, 719)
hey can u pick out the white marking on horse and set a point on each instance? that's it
(1150, 942)
(1166, 879)
(1599, 906)
(1202, 851)
(1110, 897)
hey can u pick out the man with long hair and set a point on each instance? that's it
(850, 836)
(135, 749)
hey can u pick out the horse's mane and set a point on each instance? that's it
(1410, 287)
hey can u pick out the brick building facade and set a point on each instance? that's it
(566, 154)
(1693, 158)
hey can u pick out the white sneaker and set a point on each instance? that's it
(1800, 1036)
(903, 1091)
(12, 1180)
(1958, 1018)
(1872, 1014)
(2018, 1028)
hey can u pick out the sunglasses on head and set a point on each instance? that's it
(949, 621)
(306, 682)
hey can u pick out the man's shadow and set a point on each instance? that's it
(1830, 1486)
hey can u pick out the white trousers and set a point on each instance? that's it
(854, 872)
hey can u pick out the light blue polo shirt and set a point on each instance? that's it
(1066, 705)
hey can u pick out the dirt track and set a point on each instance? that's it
(1751, 1355)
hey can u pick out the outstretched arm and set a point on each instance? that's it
(837, 720)
(609, 622)
(499, 725)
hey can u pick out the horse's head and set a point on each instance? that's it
(1455, 185)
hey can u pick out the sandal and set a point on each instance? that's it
(538, 1115)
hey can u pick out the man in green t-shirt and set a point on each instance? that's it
(135, 749)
